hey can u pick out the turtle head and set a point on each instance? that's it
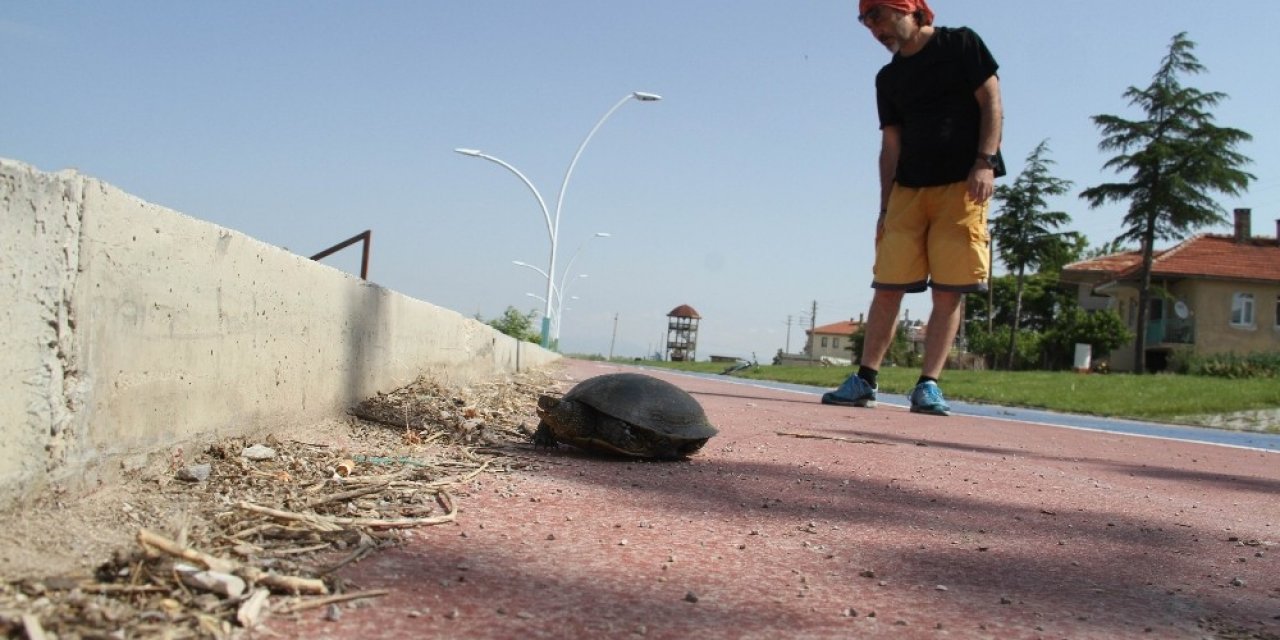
(547, 404)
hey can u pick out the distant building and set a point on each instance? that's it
(1221, 294)
(833, 340)
(682, 334)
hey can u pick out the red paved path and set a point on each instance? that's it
(937, 528)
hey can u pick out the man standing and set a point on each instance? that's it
(940, 123)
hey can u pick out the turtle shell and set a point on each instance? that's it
(645, 402)
(625, 414)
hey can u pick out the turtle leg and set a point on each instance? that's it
(543, 437)
(691, 447)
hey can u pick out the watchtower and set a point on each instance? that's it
(682, 334)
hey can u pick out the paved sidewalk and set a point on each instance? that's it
(808, 521)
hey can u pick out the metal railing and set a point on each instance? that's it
(365, 237)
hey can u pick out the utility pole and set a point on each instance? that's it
(788, 349)
(813, 324)
(991, 285)
(615, 335)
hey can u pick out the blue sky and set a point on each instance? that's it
(748, 192)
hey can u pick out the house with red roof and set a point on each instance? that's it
(832, 341)
(1210, 294)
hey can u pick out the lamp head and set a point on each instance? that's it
(475, 153)
(645, 97)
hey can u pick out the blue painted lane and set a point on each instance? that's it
(1245, 439)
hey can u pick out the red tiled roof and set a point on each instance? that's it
(1221, 257)
(1113, 264)
(683, 311)
(1203, 256)
(842, 328)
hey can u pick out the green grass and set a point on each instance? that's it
(1147, 397)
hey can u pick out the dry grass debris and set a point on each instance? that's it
(245, 529)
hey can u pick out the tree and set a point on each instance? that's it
(515, 324)
(1107, 248)
(1176, 156)
(1042, 297)
(1024, 232)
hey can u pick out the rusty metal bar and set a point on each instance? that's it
(366, 237)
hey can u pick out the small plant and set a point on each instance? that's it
(1234, 366)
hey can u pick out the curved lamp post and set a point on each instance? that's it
(557, 297)
(560, 298)
(553, 223)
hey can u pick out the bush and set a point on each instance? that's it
(994, 346)
(515, 324)
(1231, 365)
(899, 352)
(1105, 331)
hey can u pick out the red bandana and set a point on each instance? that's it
(905, 6)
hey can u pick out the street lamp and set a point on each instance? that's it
(553, 223)
(557, 298)
(560, 297)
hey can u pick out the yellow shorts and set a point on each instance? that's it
(933, 237)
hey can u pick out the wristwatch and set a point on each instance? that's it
(989, 158)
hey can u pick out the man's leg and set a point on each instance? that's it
(944, 322)
(859, 389)
(882, 321)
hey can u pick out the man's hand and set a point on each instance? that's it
(982, 182)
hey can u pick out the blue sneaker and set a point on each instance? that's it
(927, 398)
(853, 392)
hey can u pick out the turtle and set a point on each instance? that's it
(630, 414)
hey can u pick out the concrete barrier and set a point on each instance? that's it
(127, 328)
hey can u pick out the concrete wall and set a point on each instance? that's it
(127, 328)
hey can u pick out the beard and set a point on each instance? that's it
(897, 37)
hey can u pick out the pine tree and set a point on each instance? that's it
(1176, 157)
(1025, 233)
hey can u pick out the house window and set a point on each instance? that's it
(1242, 310)
(1277, 316)
(824, 342)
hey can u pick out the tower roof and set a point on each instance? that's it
(683, 311)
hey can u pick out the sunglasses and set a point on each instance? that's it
(874, 15)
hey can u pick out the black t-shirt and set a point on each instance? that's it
(930, 95)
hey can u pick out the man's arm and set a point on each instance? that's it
(890, 149)
(991, 120)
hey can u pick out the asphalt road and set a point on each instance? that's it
(807, 521)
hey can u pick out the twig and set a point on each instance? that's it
(836, 438)
(288, 584)
(149, 539)
(333, 523)
(298, 550)
(93, 587)
(460, 479)
(347, 495)
(31, 625)
(407, 472)
(364, 550)
(319, 522)
(322, 602)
